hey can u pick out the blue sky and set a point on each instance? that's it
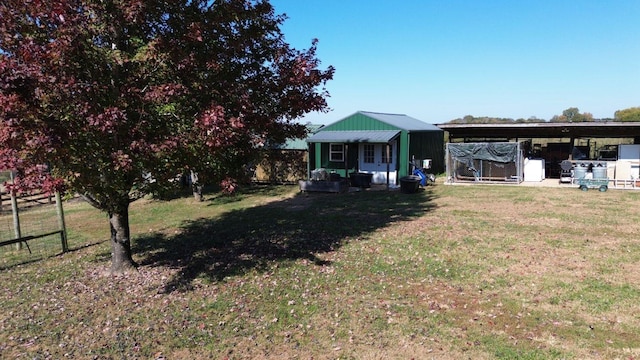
(437, 60)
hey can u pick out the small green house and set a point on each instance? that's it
(383, 145)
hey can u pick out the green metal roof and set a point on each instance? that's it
(401, 121)
(300, 144)
(354, 136)
(366, 120)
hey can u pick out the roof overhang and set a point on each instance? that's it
(354, 136)
(543, 130)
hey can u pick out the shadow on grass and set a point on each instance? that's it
(40, 257)
(296, 228)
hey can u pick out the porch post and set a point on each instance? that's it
(346, 161)
(309, 145)
(388, 150)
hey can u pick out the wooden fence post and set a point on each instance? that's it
(16, 219)
(63, 227)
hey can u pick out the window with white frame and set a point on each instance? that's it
(369, 154)
(336, 152)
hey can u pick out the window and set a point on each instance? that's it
(384, 158)
(369, 154)
(336, 152)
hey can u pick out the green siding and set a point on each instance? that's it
(403, 158)
(322, 159)
(358, 122)
(428, 145)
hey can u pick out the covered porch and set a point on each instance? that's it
(360, 157)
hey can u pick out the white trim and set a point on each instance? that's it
(332, 153)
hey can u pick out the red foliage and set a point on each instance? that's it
(118, 96)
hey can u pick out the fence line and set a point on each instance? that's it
(38, 198)
(30, 201)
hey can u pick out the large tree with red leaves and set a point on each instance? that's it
(116, 97)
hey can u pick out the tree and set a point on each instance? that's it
(572, 115)
(118, 97)
(630, 114)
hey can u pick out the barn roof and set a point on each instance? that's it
(543, 130)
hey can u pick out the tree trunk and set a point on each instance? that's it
(196, 187)
(121, 260)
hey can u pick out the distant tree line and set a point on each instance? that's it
(630, 114)
(569, 115)
(493, 120)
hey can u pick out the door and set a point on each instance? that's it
(372, 159)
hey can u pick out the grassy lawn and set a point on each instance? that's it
(451, 272)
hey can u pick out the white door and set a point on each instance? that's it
(372, 159)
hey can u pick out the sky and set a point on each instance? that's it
(438, 60)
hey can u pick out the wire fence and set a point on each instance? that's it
(31, 227)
